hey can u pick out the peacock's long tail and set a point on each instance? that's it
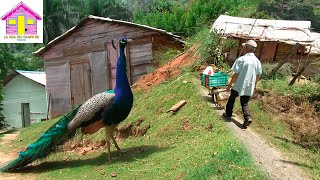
(54, 136)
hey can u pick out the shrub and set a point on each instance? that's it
(282, 73)
(3, 123)
(316, 78)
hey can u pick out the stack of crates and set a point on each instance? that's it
(218, 79)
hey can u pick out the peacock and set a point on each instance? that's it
(106, 109)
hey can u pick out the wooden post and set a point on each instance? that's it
(48, 106)
(247, 37)
(302, 69)
(286, 59)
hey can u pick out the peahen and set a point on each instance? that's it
(106, 109)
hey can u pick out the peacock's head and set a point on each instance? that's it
(124, 41)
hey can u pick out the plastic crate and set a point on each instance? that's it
(218, 79)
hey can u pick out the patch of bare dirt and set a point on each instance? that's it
(302, 117)
(6, 140)
(132, 129)
(167, 71)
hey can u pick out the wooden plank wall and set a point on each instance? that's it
(141, 60)
(92, 36)
(86, 50)
(58, 85)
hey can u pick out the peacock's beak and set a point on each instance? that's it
(129, 40)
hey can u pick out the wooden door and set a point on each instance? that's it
(25, 113)
(112, 59)
(80, 82)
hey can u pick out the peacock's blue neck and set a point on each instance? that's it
(122, 88)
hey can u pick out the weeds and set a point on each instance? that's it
(282, 73)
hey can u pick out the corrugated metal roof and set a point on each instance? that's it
(286, 31)
(40, 51)
(37, 76)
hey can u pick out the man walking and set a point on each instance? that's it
(247, 70)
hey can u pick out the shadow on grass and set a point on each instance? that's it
(9, 131)
(297, 164)
(127, 155)
(310, 146)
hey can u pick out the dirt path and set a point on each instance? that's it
(275, 164)
(6, 140)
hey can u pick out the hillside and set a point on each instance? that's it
(190, 144)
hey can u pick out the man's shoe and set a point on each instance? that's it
(247, 123)
(226, 117)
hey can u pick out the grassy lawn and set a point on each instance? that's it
(278, 132)
(190, 144)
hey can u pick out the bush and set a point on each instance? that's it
(316, 78)
(164, 55)
(282, 73)
(3, 123)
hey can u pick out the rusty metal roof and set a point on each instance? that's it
(40, 51)
(286, 31)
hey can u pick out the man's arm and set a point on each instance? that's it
(233, 80)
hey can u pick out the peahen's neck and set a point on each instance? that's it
(122, 88)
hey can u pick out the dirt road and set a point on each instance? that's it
(5, 158)
(275, 164)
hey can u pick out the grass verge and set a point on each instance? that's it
(192, 143)
(278, 131)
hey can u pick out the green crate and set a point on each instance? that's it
(218, 79)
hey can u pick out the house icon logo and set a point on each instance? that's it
(22, 24)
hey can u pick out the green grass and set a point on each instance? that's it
(309, 91)
(278, 133)
(207, 151)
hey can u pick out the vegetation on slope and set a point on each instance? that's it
(192, 143)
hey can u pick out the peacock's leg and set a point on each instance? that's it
(109, 130)
(108, 150)
(116, 145)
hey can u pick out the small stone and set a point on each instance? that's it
(113, 174)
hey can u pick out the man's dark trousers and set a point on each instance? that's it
(244, 100)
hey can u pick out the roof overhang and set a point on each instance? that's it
(40, 51)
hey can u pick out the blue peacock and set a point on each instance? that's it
(106, 109)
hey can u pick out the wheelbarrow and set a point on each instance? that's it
(216, 84)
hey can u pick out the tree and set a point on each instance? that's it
(105, 8)
(3, 123)
(59, 16)
(292, 10)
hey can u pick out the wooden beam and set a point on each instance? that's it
(302, 69)
(286, 59)
(177, 106)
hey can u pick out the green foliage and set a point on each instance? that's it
(168, 150)
(18, 56)
(309, 91)
(187, 18)
(211, 47)
(164, 55)
(292, 10)
(110, 8)
(316, 78)
(283, 73)
(3, 123)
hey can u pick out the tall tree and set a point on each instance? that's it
(59, 16)
(106, 8)
(293, 10)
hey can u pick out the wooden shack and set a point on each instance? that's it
(275, 38)
(82, 62)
